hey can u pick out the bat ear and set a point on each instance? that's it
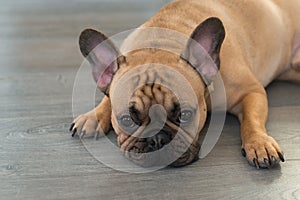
(102, 55)
(206, 40)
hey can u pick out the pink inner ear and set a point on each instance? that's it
(105, 78)
(206, 43)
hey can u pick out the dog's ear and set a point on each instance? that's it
(208, 36)
(102, 55)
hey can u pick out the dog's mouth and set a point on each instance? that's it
(151, 144)
(162, 149)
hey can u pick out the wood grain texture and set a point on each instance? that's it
(39, 59)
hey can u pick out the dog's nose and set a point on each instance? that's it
(158, 141)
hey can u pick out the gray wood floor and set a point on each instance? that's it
(39, 58)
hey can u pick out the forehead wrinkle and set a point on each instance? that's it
(158, 73)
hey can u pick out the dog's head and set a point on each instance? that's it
(151, 108)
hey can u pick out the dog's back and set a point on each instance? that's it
(257, 44)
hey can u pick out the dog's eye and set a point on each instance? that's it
(126, 121)
(186, 116)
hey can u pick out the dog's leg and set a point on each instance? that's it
(260, 149)
(292, 75)
(95, 122)
(293, 72)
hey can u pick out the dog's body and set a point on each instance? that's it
(261, 44)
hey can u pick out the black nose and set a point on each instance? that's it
(158, 141)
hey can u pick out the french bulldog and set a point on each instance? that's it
(249, 43)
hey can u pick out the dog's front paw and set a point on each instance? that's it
(87, 125)
(262, 151)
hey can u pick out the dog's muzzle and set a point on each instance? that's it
(159, 150)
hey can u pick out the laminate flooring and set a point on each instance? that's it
(39, 60)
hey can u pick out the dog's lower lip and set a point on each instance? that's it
(135, 156)
(133, 149)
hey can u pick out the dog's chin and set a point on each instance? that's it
(187, 158)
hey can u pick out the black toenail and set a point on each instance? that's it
(74, 132)
(281, 156)
(72, 125)
(243, 152)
